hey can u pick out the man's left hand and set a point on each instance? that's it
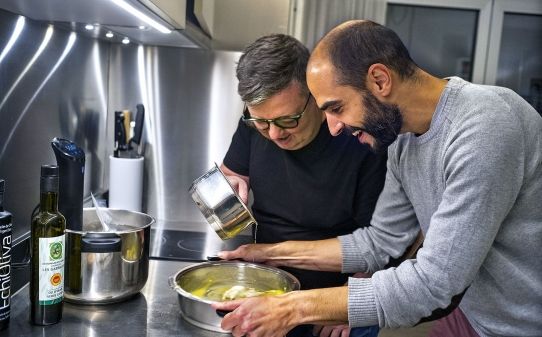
(263, 316)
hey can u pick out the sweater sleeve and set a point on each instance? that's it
(483, 174)
(393, 228)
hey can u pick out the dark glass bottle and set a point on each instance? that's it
(5, 261)
(48, 242)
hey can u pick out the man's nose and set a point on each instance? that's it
(335, 126)
(274, 131)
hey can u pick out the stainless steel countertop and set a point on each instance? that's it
(153, 312)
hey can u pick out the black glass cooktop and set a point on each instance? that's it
(190, 246)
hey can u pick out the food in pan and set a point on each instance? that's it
(219, 291)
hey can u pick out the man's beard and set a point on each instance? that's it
(382, 121)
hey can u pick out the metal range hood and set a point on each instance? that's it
(233, 24)
(149, 22)
(209, 24)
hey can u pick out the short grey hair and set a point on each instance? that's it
(269, 65)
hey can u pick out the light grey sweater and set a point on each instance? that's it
(473, 184)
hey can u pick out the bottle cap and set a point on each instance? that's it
(49, 171)
(49, 178)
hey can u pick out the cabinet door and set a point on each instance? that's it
(515, 49)
(444, 38)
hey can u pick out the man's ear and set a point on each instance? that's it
(379, 80)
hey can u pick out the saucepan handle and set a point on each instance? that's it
(99, 243)
(214, 258)
(171, 282)
(222, 313)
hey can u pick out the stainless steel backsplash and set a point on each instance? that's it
(193, 109)
(55, 83)
(52, 84)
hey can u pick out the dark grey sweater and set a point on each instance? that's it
(473, 184)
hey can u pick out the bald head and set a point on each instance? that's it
(349, 49)
(328, 40)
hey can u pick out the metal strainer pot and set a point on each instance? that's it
(200, 285)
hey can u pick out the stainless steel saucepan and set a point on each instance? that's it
(220, 204)
(107, 266)
(200, 285)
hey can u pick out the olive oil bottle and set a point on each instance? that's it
(5, 261)
(48, 242)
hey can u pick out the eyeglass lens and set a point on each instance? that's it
(285, 123)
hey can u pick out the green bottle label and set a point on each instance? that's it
(51, 270)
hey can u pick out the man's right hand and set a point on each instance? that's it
(239, 183)
(240, 186)
(251, 252)
(324, 255)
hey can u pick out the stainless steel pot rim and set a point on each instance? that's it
(207, 174)
(123, 231)
(184, 293)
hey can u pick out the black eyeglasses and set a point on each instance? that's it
(284, 122)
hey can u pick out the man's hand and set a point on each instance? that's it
(240, 186)
(270, 316)
(342, 330)
(263, 316)
(322, 255)
(252, 253)
(240, 183)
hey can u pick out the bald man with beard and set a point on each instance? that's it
(464, 166)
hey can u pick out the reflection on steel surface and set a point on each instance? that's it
(16, 33)
(69, 45)
(52, 85)
(190, 95)
(193, 110)
(44, 43)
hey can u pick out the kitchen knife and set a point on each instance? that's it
(138, 130)
(120, 134)
(127, 119)
(139, 121)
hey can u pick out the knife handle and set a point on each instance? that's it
(120, 133)
(139, 120)
(127, 119)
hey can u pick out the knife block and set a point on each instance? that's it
(126, 183)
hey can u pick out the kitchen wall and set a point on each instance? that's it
(193, 109)
(52, 84)
(310, 20)
(55, 83)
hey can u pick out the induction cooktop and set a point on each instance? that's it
(190, 246)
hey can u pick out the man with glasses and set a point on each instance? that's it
(306, 184)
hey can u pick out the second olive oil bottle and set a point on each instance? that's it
(48, 242)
